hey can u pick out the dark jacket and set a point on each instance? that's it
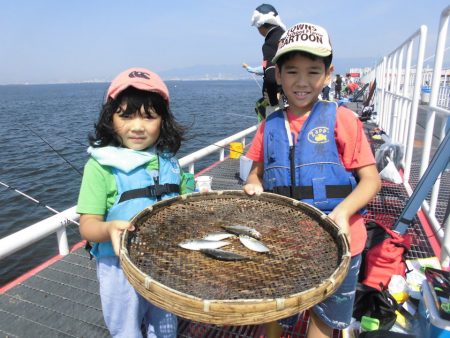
(269, 49)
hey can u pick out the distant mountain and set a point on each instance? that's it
(236, 72)
(206, 72)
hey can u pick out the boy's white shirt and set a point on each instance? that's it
(124, 159)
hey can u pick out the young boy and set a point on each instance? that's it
(316, 152)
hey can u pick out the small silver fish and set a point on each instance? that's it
(218, 236)
(253, 244)
(242, 230)
(198, 244)
(224, 255)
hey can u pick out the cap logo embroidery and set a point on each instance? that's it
(319, 135)
(142, 75)
(301, 33)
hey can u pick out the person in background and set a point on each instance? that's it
(316, 143)
(266, 19)
(135, 140)
(338, 87)
(254, 70)
(326, 91)
(351, 87)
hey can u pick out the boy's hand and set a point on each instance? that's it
(115, 229)
(253, 189)
(254, 180)
(368, 186)
(342, 220)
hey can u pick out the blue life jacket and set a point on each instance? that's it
(310, 170)
(137, 190)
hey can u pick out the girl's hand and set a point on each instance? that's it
(94, 229)
(115, 229)
(253, 189)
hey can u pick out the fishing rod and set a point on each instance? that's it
(430, 57)
(254, 78)
(8, 187)
(248, 117)
(75, 141)
(62, 157)
(245, 66)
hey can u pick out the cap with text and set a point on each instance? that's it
(305, 37)
(139, 78)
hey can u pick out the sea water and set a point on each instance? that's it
(43, 138)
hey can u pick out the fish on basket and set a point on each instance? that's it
(199, 244)
(242, 230)
(218, 236)
(253, 244)
(224, 255)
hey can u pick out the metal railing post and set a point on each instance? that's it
(415, 102)
(435, 82)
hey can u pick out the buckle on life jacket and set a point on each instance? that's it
(307, 192)
(155, 191)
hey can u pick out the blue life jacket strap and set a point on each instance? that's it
(154, 191)
(307, 192)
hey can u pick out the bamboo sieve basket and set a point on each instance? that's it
(308, 259)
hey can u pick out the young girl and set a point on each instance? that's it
(131, 166)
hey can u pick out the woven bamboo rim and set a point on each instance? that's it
(223, 311)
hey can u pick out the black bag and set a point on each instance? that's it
(376, 304)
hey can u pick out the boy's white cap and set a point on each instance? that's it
(305, 37)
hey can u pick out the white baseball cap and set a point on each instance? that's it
(306, 37)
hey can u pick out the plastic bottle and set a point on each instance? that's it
(398, 288)
(369, 324)
(203, 183)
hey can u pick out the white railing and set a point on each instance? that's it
(398, 108)
(189, 160)
(396, 105)
(432, 111)
(29, 235)
(444, 97)
(57, 223)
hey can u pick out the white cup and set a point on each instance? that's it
(203, 183)
(245, 164)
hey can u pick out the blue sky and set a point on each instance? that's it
(52, 41)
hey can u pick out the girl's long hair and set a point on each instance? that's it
(170, 137)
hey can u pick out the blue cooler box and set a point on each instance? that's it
(431, 324)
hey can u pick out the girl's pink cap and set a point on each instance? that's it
(139, 78)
